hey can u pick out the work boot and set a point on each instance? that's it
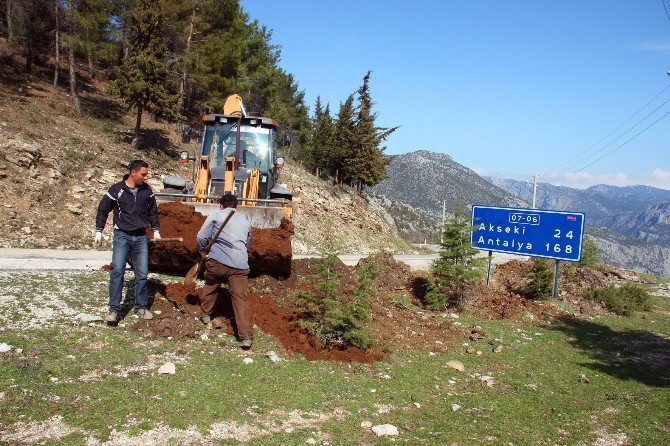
(144, 314)
(245, 344)
(112, 316)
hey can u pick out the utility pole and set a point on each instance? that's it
(444, 216)
(534, 189)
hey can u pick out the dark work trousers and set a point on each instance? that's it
(216, 274)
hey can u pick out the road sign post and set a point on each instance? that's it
(528, 232)
(548, 234)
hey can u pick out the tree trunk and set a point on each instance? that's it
(73, 80)
(10, 27)
(57, 45)
(89, 55)
(182, 84)
(138, 122)
(91, 69)
(29, 50)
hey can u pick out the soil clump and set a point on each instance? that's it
(269, 250)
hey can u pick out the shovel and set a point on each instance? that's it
(195, 270)
(167, 239)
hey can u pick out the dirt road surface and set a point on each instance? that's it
(81, 260)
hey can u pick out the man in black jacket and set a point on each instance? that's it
(134, 206)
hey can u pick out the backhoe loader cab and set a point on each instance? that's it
(239, 154)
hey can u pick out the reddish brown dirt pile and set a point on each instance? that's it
(504, 299)
(398, 322)
(178, 308)
(269, 251)
(176, 220)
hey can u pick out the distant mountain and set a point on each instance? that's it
(651, 225)
(597, 202)
(626, 252)
(423, 180)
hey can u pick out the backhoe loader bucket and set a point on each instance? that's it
(270, 249)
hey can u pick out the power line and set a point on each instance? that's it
(585, 155)
(635, 136)
(667, 8)
(621, 135)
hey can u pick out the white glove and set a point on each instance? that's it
(157, 235)
(98, 238)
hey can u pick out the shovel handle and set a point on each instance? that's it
(167, 239)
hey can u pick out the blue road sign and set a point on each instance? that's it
(528, 232)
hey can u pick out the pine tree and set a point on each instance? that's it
(29, 23)
(287, 105)
(215, 62)
(366, 165)
(590, 252)
(539, 279)
(344, 139)
(142, 79)
(322, 140)
(456, 271)
(93, 39)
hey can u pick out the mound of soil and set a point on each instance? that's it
(395, 324)
(398, 322)
(269, 250)
(509, 279)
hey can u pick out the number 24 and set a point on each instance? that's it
(569, 234)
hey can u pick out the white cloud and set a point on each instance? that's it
(656, 46)
(660, 175)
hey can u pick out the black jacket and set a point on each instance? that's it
(131, 214)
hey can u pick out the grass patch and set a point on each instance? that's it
(103, 382)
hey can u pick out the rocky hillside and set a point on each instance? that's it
(632, 254)
(323, 210)
(56, 165)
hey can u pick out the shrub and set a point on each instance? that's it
(459, 266)
(79, 157)
(337, 319)
(540, 280)
(590, 253)
(623, 300)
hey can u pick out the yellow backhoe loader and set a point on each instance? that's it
(238, 155)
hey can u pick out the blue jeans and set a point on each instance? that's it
(137, 247)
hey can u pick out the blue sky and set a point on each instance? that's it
(506, 88)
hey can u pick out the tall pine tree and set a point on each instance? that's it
(142, 79)
(362, 160)
(368, 165)
(344, 139)
(321, 145)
